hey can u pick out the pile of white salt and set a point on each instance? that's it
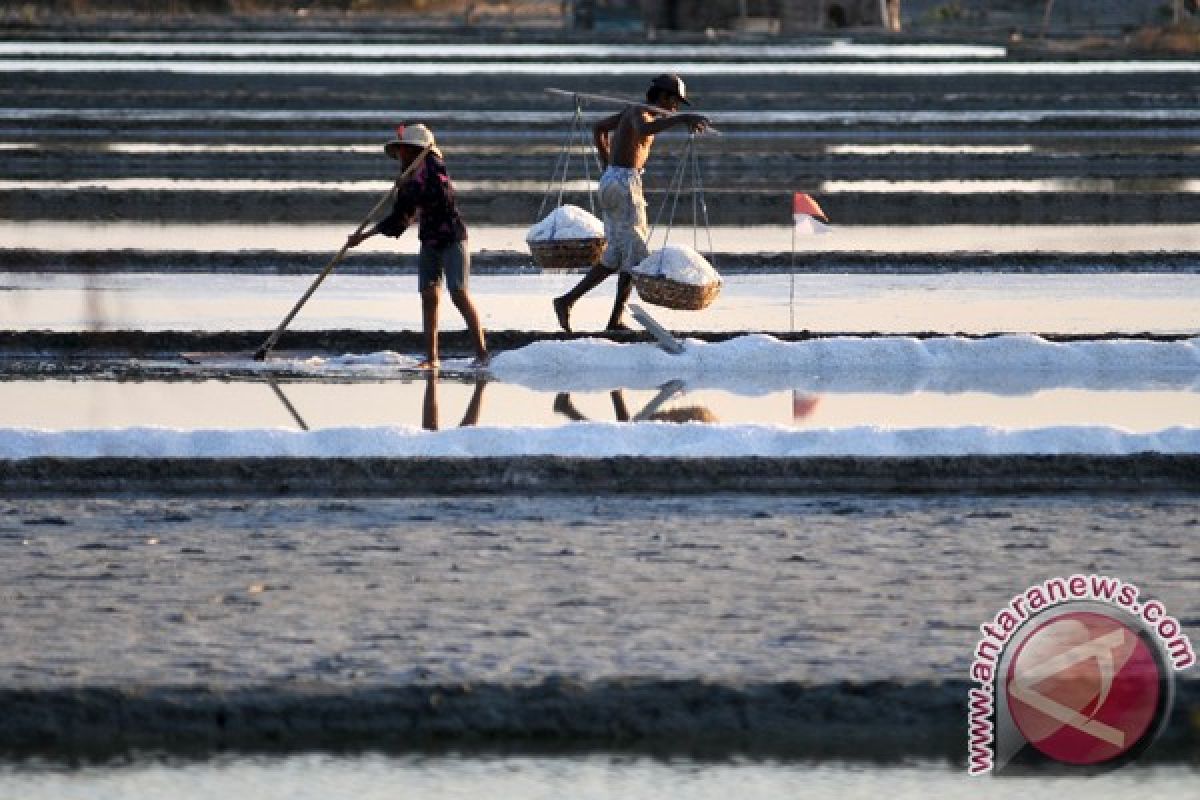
(681, 264)
(566, 222)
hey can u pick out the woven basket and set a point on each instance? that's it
(567, 253)
(685, 414)
(673, 294)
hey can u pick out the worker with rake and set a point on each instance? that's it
(623, 142)
(429, 195)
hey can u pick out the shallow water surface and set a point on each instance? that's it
(432, 404)
(224, 237)
(959, 303)
(596, 777)
(1061, 185)
(882, 68)
(408, 50)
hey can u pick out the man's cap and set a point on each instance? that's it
(672, 83)
(416, 135)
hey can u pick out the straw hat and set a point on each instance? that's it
(416, 135)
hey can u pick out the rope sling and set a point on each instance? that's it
(576, 136)
(553, 253)
(656, 287)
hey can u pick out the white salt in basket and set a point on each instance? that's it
(568, 238)
(657, 281)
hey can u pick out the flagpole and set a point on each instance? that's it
(792, 288)
(803, 207)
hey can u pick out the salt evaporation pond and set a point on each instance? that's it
(842, 48)
(885, 68)
(875, 396)
(58, 405)
(596, 777)
(59, 236)
(967, 303)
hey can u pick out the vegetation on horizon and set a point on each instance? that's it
(84, 7)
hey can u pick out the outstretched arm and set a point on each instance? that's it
(402, 215)
(645, 127)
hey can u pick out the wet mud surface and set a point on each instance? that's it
(828, 91)
(726, 207)
(802, 625)
(507, 262)
(742, 162)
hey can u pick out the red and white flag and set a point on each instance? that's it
(807, 215)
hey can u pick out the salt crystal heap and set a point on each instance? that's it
(681, 264)
(566, 222)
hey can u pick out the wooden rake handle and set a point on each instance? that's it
(269, 344)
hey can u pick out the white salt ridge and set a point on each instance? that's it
(383, 358)
(379, 364)
(588, 440)
(566, 222)
(681, 264)
(369, 363)
(759, 363)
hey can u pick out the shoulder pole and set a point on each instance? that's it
(604, 98)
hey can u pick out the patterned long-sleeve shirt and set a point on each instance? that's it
(429, 195)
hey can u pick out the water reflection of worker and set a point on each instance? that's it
(563, 405)
(429, 409)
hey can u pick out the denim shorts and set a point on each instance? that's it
(453, 261)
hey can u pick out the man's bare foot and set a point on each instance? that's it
(429, 363)
(562, 310)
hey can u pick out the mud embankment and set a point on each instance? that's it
(867, 722)
(725, 207)
(507, 262)
(550, 475)
(753, 163)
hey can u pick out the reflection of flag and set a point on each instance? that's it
(803, 404)
(807, 215)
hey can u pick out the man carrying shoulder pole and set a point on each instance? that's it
(623, 142)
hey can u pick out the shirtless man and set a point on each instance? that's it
(623, 142)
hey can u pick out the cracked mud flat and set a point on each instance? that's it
(758, 623)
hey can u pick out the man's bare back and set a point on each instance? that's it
(628, 148)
